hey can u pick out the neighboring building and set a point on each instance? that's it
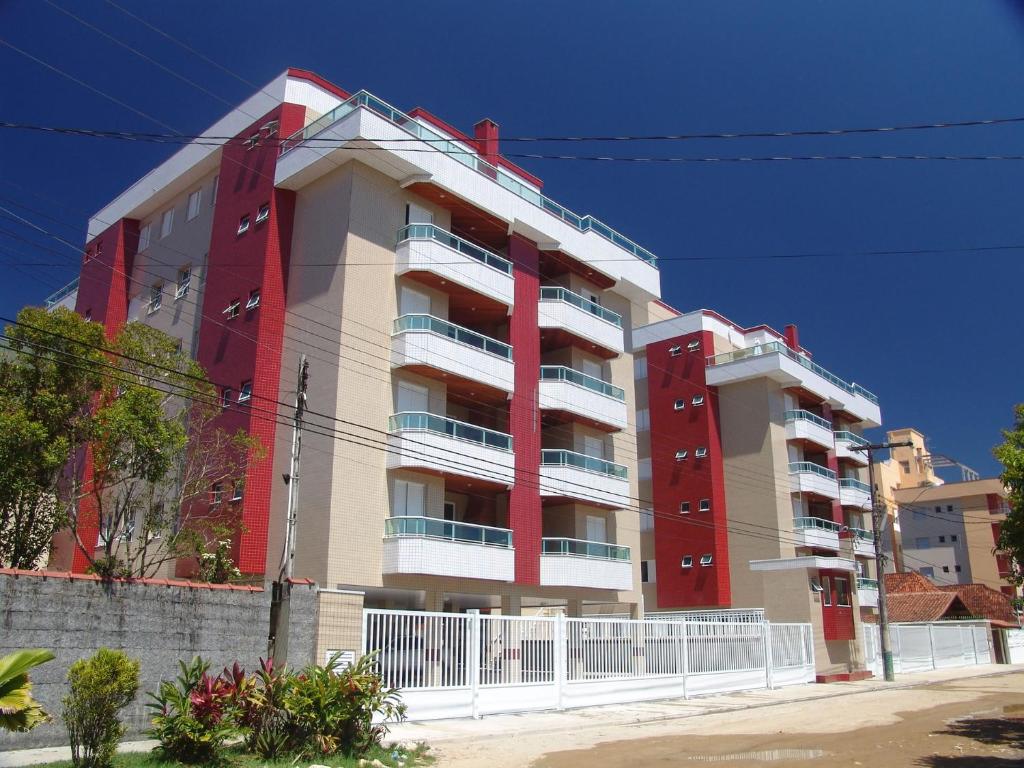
(744, 446)
(949, 532)
(471, 392)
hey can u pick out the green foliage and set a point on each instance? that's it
(1011, 455)
(18, 710)
(218, 567)
(100, 687)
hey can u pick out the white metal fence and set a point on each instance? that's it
(917, 647)
(460, 665)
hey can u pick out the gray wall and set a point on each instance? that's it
(152, 622)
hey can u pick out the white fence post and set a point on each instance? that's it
(931, 644)
(974, 643)
(473, 660)
(766, 633)
(560, 659)
(685, 665)
(362, 634)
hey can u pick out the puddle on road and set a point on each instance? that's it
(761, 755)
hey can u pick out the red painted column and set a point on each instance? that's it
(832, 461)
(524, 508)
(103, 296)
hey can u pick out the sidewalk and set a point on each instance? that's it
(441, 733)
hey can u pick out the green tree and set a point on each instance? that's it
(99, 688)
(18, 710)
(1011, 455)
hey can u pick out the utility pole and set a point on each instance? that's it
(876, 529)
(280, 608)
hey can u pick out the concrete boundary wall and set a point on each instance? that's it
(157, 621)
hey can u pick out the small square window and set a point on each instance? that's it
(956, 568)
(166, 223)
(701, 452)
(684, 507)
(254, 300)
(706, 560)
(953, 537)
(88, 315)
(243, 224)
(156, 297)
(227, 396)
(145, 235)
(184, 280)
(945, 569)
(194, 200)
(681, 455)
(693, 345)
(704, 505)
(949, 507)
(687, 561)
(679, 404)
(675, 350)
(816, 586)
(245, 393)
(271, 128)
(238, 491)
(216, 493)
(263, 213)
(233, 309)
(942, 539)
(87, 256)
(697, 400)
(938, 510)
(252, 142)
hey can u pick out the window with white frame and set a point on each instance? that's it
(842, 592)
(698, 400)
(643, 419)
(184, 280)
(684, 507)
(216, 493)
(145, 235)
(693, 345)
(194, 200)
(826, 591)
(166, 223)
(254, 300)
(243, 224)
(675, 350)
(252, 142)
(646, 519)
(640, 367)
(679, 405)
(245, 392)
(238, 490)
(232, 309)
(409, 500)
(263, 213)
(227, 397)
(706, 560)
(156, 297)
(701, 452)
(686, 562)
(927, 570)
(704, 505)
(681, 455)
(648, 571)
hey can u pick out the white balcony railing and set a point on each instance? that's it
(863, 542)
(867, 593)
(808, 477)
(816, 532)
(587, 478)
(804, 425)
(579, 563)
(565, 389)
(428, 341)
(854, 493)
(418, 440)
(428, 248)
(436, 547)
(561, 309)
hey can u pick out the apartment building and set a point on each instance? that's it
(756, 496)
(950, 532)
(471, 397)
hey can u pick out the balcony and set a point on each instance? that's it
(435, 547)
(582, 397)
(588, 564)
(867, 592)
(565, 318)
(425, 441)
(565, 474)
(65, 297)
(816, 532)
(424, 248)
(808, 477)
(854, 493)
(845, 440)
(863, 542)
(804, 425)
(778, 362)
(436, 348)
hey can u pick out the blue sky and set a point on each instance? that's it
(937, 336)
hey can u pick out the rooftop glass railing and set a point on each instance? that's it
(470, 159)
(862, 534)
(810, 466)
(63, 293)
(850, 437)
(557, 293)
(456, 243)
(441, 327)
(852, 482)
(448, 530)
(428, 422)
(815, 523)
(801, 415)
(580, 548)
(557, 457)
(777, 347)
(563, 373)
(863, 583)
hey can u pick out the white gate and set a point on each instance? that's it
(461, 665)
(917, 647)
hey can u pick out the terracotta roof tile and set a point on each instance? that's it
(984, 601)
(910, 581)
(924, 606)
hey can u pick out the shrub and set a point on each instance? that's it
(260, 709)
(18, 710)
(100, 688)
(194, 715)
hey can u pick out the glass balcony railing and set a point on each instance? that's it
(563, 373)
(63, 293)
(862, 534)
(580, 548)
(810, 466)
(815, 523)
(460, 430)
(777, 347)
(452, 331)
(466, 248)
(850, 437)
(448, 530)
(469, 159)
(852, 482)
(801, 415)
(557, 293)
(560, 458)
(863, 583)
